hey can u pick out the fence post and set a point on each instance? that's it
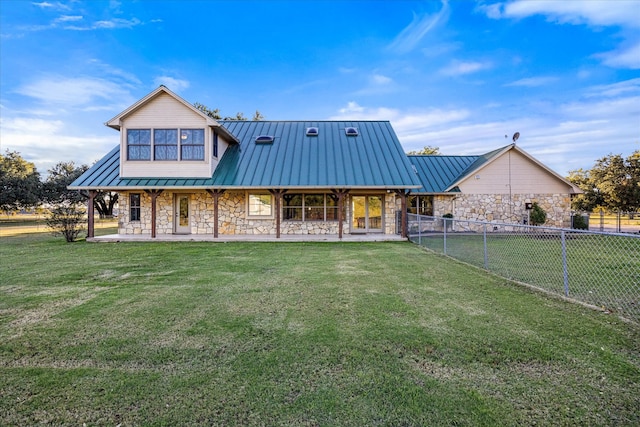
(419, 231)
(444, 225)
(484, 241)
(565, 268)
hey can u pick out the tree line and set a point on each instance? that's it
(613, 184)
(23, 188)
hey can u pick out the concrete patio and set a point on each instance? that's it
(110, 238)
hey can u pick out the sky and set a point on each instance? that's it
(463, 76)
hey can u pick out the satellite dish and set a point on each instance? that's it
(516, 136)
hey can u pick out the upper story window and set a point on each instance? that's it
(139, 144)
(192, 144)
(166, 144)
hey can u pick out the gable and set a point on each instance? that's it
(163, 111)
(513, 171)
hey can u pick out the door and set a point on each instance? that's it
(181, 209)
(366, 214)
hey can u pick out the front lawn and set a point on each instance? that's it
(296, 334)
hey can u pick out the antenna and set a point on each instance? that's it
(516, 136)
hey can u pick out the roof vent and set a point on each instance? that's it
(351, 131)
(264, 139)
(312, 131)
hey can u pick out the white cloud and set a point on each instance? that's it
(627, 57)
(458, 68)
(379, 79)
(419, 27)
(75, 92)
(47, 5)
(48, 142)
(176, 85)
(593, 12)
(533, 81)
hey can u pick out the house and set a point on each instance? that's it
(178, 171)
(498, 186)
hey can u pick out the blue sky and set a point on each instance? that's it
(460, 75)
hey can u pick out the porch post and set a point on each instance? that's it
(154, 195)
(91, 213)
(340, 194)
(277, 194)
(403, 211)
(216, 193)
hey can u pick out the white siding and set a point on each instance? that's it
(165, 112)
(515, 170)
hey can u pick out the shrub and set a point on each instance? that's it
(66, 220)
(538, 216)
(580, 223)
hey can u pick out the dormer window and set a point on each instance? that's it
(351, 131)
(165, 144)
(312, 131)
(265, 139)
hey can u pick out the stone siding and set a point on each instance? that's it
(504, 207)
(232, 216)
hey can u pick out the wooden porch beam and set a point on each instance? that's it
(215, 193)
(154, 195)
(341, 195)
(277, 194)
(91, 213)
(403, 211)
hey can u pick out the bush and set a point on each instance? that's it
(580, 223)
(538, 216)
(67, 220)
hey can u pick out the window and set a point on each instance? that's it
(421, 205)
(139, 144)
(260, 204)
(215, 144)
(292, 207)
(192, 144)
(310, 207)
(165, 144)
(134, 207)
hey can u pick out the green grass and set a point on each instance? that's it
(603, 270)
(296, 334)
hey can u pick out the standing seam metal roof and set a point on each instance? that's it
(373, 159)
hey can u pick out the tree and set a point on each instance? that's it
(537, 215)
(67, 220)
(104, 203)
(590, 198)
(60, 176)
(215, 114)
(616, 179)
(613, 183)
(19, 182)
(427, 150)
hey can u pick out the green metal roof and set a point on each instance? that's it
(373, 159)
(440, 174)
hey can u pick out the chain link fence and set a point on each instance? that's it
(601, 269)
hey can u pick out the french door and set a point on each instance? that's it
(366, 214)
(182, 214)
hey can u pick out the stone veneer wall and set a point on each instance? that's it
(232, 217)
(504, 207)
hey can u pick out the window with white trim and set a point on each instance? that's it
(134, 207)
(166, 144)
(139, 144)
(260, 204)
